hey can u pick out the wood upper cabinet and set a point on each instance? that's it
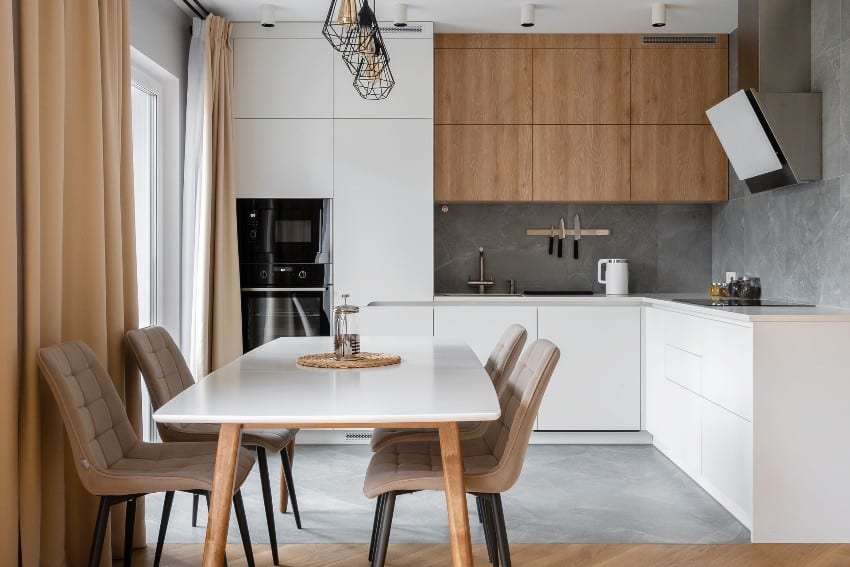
(482, 163)
(677, 86)
(581, 163)
(581, 86)
(678, 163)
(482, 86)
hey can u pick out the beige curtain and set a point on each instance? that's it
(9, 330)
(216, 329)
(78, 262)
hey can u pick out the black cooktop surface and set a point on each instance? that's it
(738, 302)
(557, 292)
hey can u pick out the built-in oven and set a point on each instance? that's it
(284, 269)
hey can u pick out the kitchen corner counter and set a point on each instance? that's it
(660, 300)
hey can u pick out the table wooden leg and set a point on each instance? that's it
(284, 493)
(226, 458)
(455, 495)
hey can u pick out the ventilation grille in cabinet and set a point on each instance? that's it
(680, 39)
(407, 30)
(365, 436)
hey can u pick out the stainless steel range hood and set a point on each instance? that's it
(771, 128)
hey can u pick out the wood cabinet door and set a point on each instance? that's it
(482, 86)
(677, 86)
(482, 163)
(581, 163)
(678, 163)
(581, 86)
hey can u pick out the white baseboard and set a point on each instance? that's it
(362, 437)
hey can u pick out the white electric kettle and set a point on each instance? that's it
(616, 275)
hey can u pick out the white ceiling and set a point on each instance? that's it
(502, 16)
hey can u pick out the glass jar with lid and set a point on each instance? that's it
(346, 330)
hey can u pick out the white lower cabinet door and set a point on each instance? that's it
(397, 321)
(596, 385)
(654, 368)
(383, 210)
(727, 460)
(481, 327)
(678, 426)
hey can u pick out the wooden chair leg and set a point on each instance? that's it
(384, 535)
(376, 524)
(267, 501)
(99, 531)
(501, 531)
(239, 508)
(207, 497)
(129, 527)
(163, 525)
(195, 499)
(290, 484)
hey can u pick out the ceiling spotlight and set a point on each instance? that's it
(400, 19)
(659, 14)
(267, 17)
(526, 19)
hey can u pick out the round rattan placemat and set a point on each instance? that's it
(365, 360)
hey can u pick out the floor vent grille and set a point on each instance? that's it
(404, 31)
(679, 39)
(366, 436)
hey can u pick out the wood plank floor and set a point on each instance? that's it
(539, 555)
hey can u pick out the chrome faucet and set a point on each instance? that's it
(480, 282)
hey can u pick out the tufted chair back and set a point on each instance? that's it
(94, 416)
(507, 437)
(505, 354)
(163, 367)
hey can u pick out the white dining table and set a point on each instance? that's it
(439, 383)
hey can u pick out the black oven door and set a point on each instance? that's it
(270, 313)
(292, 231)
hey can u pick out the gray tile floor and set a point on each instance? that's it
(566, 494)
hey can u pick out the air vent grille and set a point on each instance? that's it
(679, 39)
(365, 436)
(407, 30)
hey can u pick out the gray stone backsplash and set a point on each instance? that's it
(668, 246)
(797, 239)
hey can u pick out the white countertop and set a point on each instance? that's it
(660, 300)
(438, 380)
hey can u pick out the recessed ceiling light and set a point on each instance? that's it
(267, 17)
(526, 19)
(400, 19)
(659, 15)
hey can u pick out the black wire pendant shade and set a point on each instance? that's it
(352, 29)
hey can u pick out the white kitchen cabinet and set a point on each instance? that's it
(383, 210)
(412, 64)
(284, 158)
(679, 430)
(596, 385)
(282, 78)
(654, 368)
(727, 459)
(397, 321)
(727, 366)
(482, 326)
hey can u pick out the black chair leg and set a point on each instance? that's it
(290, 485)
(99, 531)
(479, 503)
(267, 501)
(384, 534)
(489, 531)
(376, 524)
(501, 531)
(163, 526)
(195, 498)
(129, 527)
(239, 507)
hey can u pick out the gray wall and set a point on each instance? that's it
(798, 239)
(668, 246)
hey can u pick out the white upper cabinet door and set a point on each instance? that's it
(283, 78)
(383, 210)
(482, 326)
(596, 385)
(284, 158)
(412, 64)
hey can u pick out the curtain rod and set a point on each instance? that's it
(197, 8)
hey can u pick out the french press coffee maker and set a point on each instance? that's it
(346, 330)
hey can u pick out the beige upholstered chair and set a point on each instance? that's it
(492, 461)
(111, 460)
(166, 375)
(499, 365)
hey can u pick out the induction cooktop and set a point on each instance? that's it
(738, 302)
